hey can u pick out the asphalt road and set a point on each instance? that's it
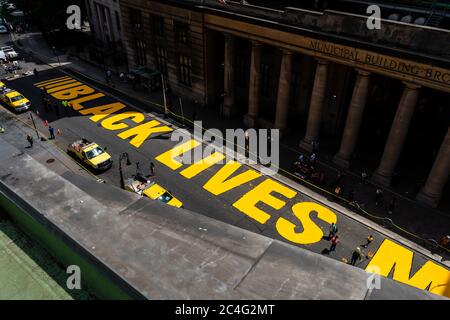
(190, 191)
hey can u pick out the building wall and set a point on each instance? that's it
(109, 29)
(173, 20)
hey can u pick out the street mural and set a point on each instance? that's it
(391, 259)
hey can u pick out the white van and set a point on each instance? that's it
(3, 56)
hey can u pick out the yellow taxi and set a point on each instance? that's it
(152, 190)
(91, 154)
(14, 99)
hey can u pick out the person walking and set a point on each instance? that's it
(52, 132)
(30, 140)
(334, 242)
(333, 230)
(364, 176)
(356, 255)
(378, 195)
(392, 204)
(122, 77)
(369, 241)
(312, 159)
(152, 169)
(301, 159)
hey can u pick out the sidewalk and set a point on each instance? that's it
(409, 219)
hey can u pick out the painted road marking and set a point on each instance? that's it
(389, 256)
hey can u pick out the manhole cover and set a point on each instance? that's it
(50, 160)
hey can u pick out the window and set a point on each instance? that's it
(265, 80)
(158, 25)
(141, 57)
(117, 20)
(242, 74)
(185, 65)
(135, 19)
(161, 57)
(182, 32)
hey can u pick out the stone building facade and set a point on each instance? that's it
(304, 72)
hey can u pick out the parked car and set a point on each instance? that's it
(9, 51)
(15, 100)
(91, 154)
(149, 188)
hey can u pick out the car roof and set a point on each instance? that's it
(13, 93)
(90, 146)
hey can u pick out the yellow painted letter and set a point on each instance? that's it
(220, 182)
(143, 131)
(168, 157)
(103, 111)
(393, 256)
(110, 123)
(263, 193)
(72, 93)
(311, 232)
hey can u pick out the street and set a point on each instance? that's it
(233, 193)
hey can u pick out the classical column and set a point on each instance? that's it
(397, 135)
(354, 118)
(254, 85)
(284, 86)
(228, 81)
(432, 191)
(316, 105)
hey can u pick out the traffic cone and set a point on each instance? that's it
(46, 123)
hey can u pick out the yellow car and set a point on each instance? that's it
(152, 190)
(14, 99)
(91, 154)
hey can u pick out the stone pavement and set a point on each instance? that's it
(410, 219)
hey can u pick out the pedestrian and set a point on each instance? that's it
(312, 158)
(338, 191)
(122, 77)
(391, 207)
(52, 132)
(369, 241)
(378, 195)
(364, 176)
(445, 241)
(152, 169)
(333, 230)
(301, 159)
(30, 140)
(334, 242)
(35, 72)
(356, 255)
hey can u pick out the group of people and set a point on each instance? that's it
(11, 66)
(357, 254)
(305, 167)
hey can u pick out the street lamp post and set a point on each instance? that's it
(122, 157)
(34, 125)
(57, 56)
